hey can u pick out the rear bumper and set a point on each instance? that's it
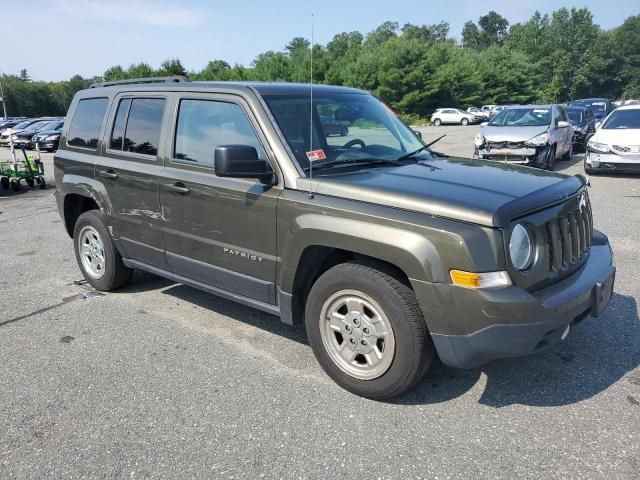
(473, 327)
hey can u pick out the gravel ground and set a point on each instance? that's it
(160, 380)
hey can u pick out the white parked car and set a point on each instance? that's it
(616, 143)
(478, 113)
(453, 116)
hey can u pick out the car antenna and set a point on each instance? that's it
(311, 116)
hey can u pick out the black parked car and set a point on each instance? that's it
(583, 121)
(47, 140)
(601, 107)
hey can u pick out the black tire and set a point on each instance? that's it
(15, 185)
(551, 159)
(4, 183)
(569, 154)
(413, 351)
(464, 122)
(437, 122)
(30, 181)
(115, 273)
(42, 183)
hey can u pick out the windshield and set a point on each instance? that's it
(575, 115)
(522, 117)
(347, 127)
(36, 126)
(22, 125)
(623, 119)
(48, 126)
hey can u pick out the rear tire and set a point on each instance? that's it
(98, 259)
(367, 331)
(4, 183)
(15, 185)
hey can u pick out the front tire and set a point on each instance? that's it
(367, 331)
(437, 122)
(98, 259)
(464, 122)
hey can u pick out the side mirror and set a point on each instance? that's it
(418, 134)
(563, 124)
(240, 161)
(484, 124)
(598, 125)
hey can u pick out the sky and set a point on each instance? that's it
(55, 39)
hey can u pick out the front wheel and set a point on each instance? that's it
(464, 122)
(437, 122)
(97, 257)
(367, 331)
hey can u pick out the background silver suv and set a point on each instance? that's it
(533, 135)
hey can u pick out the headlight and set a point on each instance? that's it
(521, 249)
(14, 137)
(598, 147)
(538, 140)
(479, 141)
(34, 138)
(52, 137)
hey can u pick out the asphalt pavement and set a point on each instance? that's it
(159, 380)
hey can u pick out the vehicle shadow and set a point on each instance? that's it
(238, 312)
(578, 160)
(597, 353)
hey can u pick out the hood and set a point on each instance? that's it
(481, 192)
(46, 133)
(630, 136)
(512, 134)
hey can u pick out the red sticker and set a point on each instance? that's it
(316, 155)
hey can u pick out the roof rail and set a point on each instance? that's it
(171, 79)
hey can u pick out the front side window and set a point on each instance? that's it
(522, 117)
(348, 127)
(84, 130)
(204, 125)
(136, 128)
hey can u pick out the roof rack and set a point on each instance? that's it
(171, 79)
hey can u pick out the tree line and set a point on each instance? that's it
(417, 68)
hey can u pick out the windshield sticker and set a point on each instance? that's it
(314, 155)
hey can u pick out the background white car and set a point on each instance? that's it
(453, 115)
(616, 143)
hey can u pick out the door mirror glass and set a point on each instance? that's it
(241, 161)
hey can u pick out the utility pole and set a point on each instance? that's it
(4, 108)
(4, 104)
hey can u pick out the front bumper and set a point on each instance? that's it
(47, 145)
(472, 327)
(612, 162)
(522, 155)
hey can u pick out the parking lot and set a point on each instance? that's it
(161, 380)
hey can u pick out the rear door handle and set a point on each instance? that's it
(109, 174)
(177, 187)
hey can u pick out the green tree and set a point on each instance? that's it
(626, 42)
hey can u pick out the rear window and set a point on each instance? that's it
(86, 123)
(137, 125)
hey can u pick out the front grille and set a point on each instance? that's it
(569, 237)
(626, 148)
(505, 144)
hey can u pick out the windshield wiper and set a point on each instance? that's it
(424, 147)
(351, 162)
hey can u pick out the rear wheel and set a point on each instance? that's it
(97, 257)
(437, 122)
(15, 185)
(4, 182)
(367, 331)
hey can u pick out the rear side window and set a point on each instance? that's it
(84, 130)
(137, 125)
(203, 125)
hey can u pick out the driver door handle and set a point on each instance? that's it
(109, 174)
(177, 187)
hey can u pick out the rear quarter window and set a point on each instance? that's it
(86, 123)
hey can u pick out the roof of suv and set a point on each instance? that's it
(263, 88)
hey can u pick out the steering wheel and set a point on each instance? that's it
(354, 142)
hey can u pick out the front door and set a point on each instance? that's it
(217, 231)
(127, 176)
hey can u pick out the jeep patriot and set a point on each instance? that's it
(388, 252)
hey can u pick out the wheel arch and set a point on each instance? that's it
(74, 205)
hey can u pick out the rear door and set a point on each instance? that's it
(218, 231)
(127, 175)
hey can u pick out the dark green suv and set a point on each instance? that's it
(389, 253)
